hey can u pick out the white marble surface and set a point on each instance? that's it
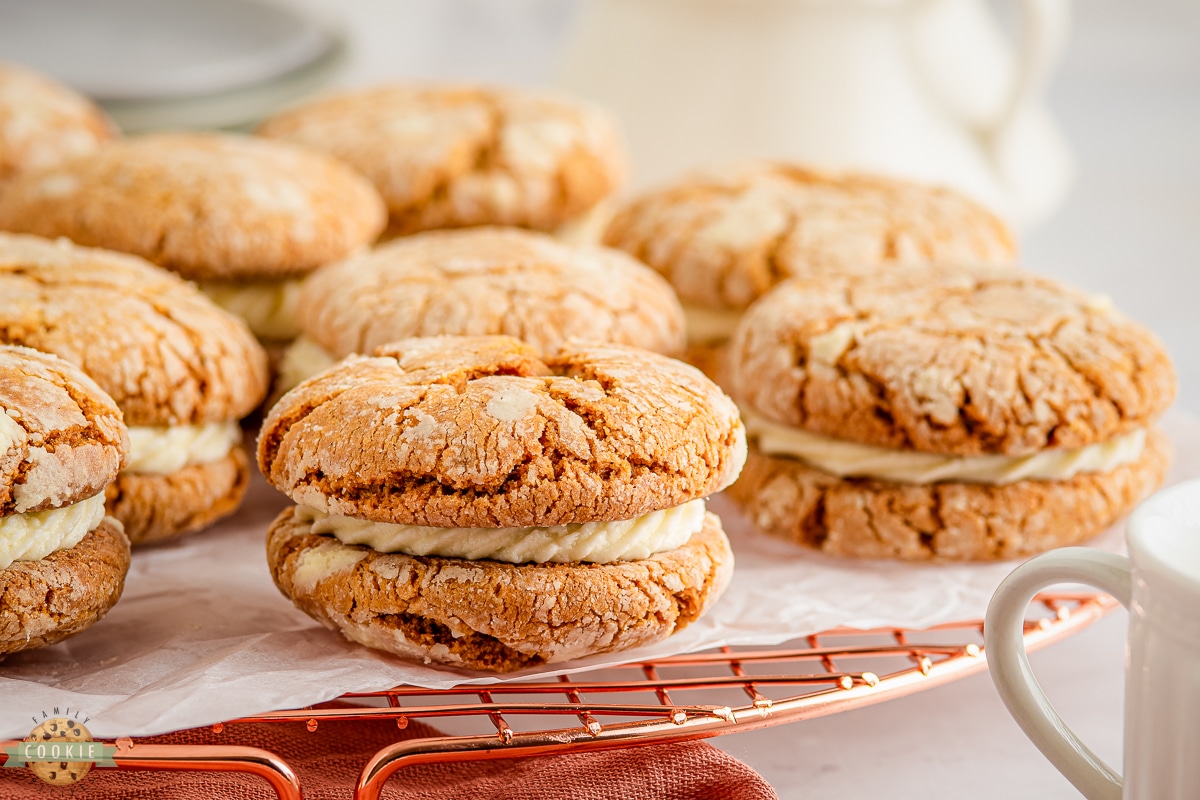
(1129, 97)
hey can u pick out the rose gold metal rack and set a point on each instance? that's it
(690, 696)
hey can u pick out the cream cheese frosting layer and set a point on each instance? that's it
(594, 542)
(303, 359)
(36, 534)
(705, 325)
(161, 451)
(268, 307)
(854, 460)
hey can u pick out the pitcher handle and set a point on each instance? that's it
(1015, 681)
(1045, 25)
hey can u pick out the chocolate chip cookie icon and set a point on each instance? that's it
(50, 732)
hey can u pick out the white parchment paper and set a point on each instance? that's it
(201, 634)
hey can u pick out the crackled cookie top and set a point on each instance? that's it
(61, 437)
(490, 281)
(949, 360)
(165, 353)
(722, 240)
(210, 206)
(449, 157)
(482, 432)
(43, 122)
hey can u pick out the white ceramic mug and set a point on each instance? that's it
(1160, 586)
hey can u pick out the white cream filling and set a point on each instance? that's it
(706, 325)
(268, 307)
(161, 451)
(36, 534)
(302, 359)
(854, 460)
(595, 542)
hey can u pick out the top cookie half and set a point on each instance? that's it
(450, 157)
(723, 240)
(209, 206)
(163, 350)
(61, 437)
(490, 281)
(483, 432)
(949, 359)
(43, 122)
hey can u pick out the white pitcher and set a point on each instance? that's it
(927, 89)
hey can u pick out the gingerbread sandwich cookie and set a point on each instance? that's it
(453, 157)
(43, 123)
(182, 370)
(465, 501)
(946, 413)
(482, 281)
(246, 218)
(724, 239)
(62, 561)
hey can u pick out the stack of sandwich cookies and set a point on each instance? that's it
(43, 122)
(465, 501)
(945, 412)
(452, 157)
(62, 561)
(182, 370)
(724, 239)
(246, 218)
(481, 281)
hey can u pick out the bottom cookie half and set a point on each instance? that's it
(45, 601)
(157, 507)
(946, 521)
(490, 615)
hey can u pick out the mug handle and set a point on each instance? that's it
(1009, 665)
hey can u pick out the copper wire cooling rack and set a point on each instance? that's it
(689, 696)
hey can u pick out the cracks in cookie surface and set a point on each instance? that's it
(953, 360)
(492, 615)
(597, 430)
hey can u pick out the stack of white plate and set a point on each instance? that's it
(174, 63)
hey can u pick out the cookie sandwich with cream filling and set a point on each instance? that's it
(460, 156)
(467, 501)
(724, 239)
(245, 218)
(946, 413)
(183, 371)
(43, 122)
(62, 561)
(481, 281)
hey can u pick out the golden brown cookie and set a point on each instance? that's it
(61, 437)
(166, 354)
(723, 240)
(45, 601)
(489, 281)
(210, 206)
(945, 412)
(484, 432)
(451, 157)
(945, 359)
(182, 370)
(158, 507)
(957, 521)
(43, 123)
(490, 615)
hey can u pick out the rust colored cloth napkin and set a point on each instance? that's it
(328, 762)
